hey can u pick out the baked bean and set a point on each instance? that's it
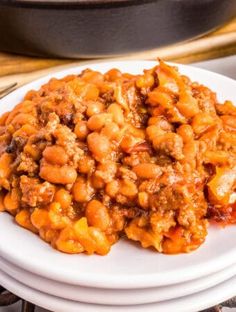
(229, 122)
(147, 171)
(201, 122)
(40, 218)
(102, 244)
(137, 133)
(92, 76)
(110, 130)
(49, 235)
(5, 165)
(22, 119)
(55, 155)
(117, 113)
(58, 221)
(97, 182)
(82, 190)
(145, 81)
(112, 188)
(86, 165)
(81, 130)
(96, 122)
(63, 197)
(158, 97)
(143, 199)
(12, 200)
(23, 219)
(113, 74)
(25, 131)
(90, 92)
(67, 241)
(82, 233)
(186, 132)
(94, 108)
(33, 151)
(153, 131)
(128, 188)
(97, 215)
(58, 175)
(128, 142)
(99, 145)
(187, 105)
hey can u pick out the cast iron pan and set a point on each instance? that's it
(99, 28)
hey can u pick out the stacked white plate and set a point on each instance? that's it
(129, 278)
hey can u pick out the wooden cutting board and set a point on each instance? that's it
(221, 42)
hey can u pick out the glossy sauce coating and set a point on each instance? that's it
(89, 158)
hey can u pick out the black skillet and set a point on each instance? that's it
(99, 28)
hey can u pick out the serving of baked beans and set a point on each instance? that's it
(92, 157)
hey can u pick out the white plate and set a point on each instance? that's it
(127, 265)
(115, 296)
(190, 303)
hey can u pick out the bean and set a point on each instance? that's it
(153, 131)
(25, 131)
(96, 122)
(90, 92)
(82, 190)
(186, 132)
(58, 221)
(92, 76)
(99, 145)
(55, 174)
(81, 130)
(40, 218)
(187, 105)
(110, 130)
(83, 236)
(55, 155)
(97, 182)
(229, 122)
(63, 197)
(113, 74)
(97, 215)
(145, 81)
(201, 122)
(147, 171)
(5, 165)
(129, 142)
(117, 113)
(23, 219)
(49, 235)
(22, 119)
(33, 151)
(128, 188)
(12, 200)
(143, 199)
(158, 97)
(112, 188)
(86, 165)
(67, 241)
(94, 108)
(102, 244)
